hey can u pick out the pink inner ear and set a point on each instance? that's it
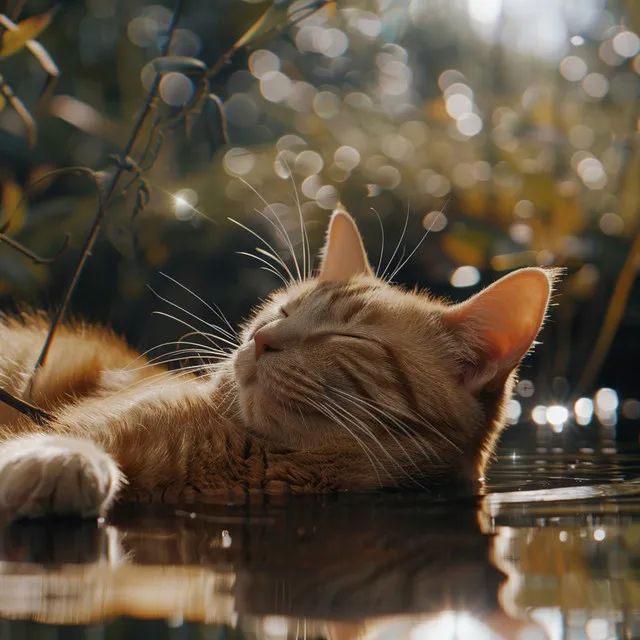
(344, 254)
(501, 323)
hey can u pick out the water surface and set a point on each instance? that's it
(552, 551)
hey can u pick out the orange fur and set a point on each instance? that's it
(339, 382)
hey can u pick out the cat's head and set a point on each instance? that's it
(412, 387)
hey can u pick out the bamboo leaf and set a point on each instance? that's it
(16, 36)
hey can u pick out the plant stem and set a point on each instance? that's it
(37, 415)
(111, 191)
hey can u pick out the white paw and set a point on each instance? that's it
(43, 475)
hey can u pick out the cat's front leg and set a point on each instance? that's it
(45, 475)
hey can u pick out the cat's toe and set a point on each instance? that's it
(46, 475)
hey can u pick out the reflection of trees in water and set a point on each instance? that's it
(315, 559)
(351, 567)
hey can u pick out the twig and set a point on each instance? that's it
(102, 211)
(37, 415)
(17, 9)
(48, 176)
(123, 167)
(37, 259)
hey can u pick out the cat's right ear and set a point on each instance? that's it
(343, 255)
(499, 325)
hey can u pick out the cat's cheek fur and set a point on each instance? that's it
(44, 475)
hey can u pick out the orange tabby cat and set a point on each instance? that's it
(341, 381)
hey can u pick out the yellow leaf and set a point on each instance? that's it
(14, 208)
(3, 102)
(273, 18)
(16, 36)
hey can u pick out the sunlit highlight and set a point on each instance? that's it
(451, 625)
(583, 410)
(539, 414)
(556, 416)
(513, 411)
(466, 276)
(606, 400)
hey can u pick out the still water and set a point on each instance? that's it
(551, 551)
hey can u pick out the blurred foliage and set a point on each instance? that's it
(517, 121)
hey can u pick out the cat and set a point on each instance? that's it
(341, 381)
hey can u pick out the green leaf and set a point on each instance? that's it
(16, 36)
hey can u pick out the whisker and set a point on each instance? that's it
(185, 372)
(395, 251)
(269, 246)
(412, 434)
(215, 327)
(411, 431)
(211, 337)
(161, 359)
(204, 346)
(397, 269)
(283, 234)
(381, 242)
(356, 422)
(306, 247)
(214, 308)
(155, 348)
(356, 401)
(327, 412)
(177, 343)
(268, 266)
(184, 358)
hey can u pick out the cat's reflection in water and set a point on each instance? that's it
(339, 571)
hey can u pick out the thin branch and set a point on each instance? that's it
(102, 211)
(123, 167)
(48, 176)
(21, 110)
(36, 258)
(17, 9)
(37, 415)
(296, 16)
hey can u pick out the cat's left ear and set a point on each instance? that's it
(500, 324)
(343, 255)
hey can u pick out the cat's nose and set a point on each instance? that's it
(266, 342)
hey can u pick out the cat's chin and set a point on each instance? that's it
(253, 395)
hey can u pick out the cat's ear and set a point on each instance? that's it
(343, 255)
(499, 325)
